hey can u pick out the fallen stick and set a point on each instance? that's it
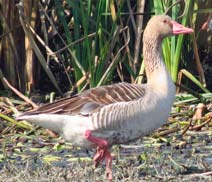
(26, 99)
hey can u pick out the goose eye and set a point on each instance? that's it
(164, 21)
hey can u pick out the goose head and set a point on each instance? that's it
(162, 26)
(158, 28)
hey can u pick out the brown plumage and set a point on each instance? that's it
(92, 100)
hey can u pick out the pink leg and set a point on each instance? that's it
(109, 166)
(102, 153)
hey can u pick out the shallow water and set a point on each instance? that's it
(150, 158)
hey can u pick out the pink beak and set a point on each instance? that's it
(180, 29)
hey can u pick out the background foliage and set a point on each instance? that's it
(74, 45)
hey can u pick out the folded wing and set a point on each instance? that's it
(92, 100)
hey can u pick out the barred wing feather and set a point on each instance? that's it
(92, 100)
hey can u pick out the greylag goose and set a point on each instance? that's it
(119, 113)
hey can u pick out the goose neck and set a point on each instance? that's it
(152, 53)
